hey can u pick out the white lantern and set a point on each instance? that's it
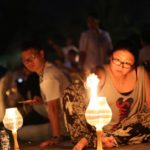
(13, 121)
(98, 112)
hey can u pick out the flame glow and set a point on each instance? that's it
(98, 112)
(92, 84)
(12, 119)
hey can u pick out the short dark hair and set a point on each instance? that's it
(30, 44)
(129, 46)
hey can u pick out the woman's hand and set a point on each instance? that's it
(81, 144)
(109, 142)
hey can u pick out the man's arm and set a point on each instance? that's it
(53, 108)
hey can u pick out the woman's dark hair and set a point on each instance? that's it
(129, 46)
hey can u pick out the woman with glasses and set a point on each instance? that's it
(126, 87)
(125, 84)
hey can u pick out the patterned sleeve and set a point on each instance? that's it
(134, 130)
(74, 109)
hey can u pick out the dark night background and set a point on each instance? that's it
(22, 19)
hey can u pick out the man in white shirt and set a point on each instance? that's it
(52, 84)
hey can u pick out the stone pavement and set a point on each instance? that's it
(66, 145)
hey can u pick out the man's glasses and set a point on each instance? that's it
(117, 62)
(30, 59)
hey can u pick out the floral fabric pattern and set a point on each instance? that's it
(134, 130)
(74, 107)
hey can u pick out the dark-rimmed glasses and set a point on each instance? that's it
(30, 59)
(118, 62)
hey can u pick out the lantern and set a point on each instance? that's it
(98, 112)
(13, 121)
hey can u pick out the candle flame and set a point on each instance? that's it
(98, 112)
(92, 84)
(12, 119)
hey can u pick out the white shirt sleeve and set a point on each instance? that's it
(50, 89)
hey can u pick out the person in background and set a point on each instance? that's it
(94, 45)
(69, 45)
(68, 61)
(144, 54)
(72, 61)
(62, 51)
(126, 87)
(56, 53)
(52, 85)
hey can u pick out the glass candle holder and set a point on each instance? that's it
(12, 121)
(98, 112)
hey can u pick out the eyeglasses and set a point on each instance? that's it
(117, 62)
(30, 59)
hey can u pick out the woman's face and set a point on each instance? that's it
(121, 62)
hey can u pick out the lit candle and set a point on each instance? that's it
(13, 121)
(98, 112)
